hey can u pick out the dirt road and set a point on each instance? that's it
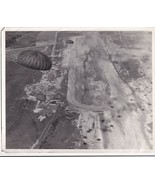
(95, 86)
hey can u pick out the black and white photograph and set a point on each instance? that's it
(84, 90)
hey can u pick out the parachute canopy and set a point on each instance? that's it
(69, 42)
(34, 60)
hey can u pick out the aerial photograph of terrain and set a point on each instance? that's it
(79, 90)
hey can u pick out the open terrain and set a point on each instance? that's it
(97, 95)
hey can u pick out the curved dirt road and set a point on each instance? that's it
(111, 114)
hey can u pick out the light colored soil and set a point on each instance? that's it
(96, 86)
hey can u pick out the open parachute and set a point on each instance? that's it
(34, 60)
